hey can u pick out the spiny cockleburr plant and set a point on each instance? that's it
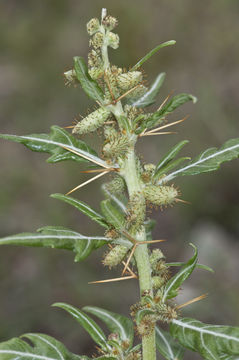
(122, 98)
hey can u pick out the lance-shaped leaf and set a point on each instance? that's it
(199, 266)
(149, 97)
(172, 105)
(171, 288)
(119, 200)
(167, 346)
(211, 341)
(113, 215)
(151, 53)
(171, 165)
(89, 85)
(43, 347)
(57, 144)
(116, 323)
(208, 160)
(58, 238)
(83, 207)
(169, 156)
(87, 323)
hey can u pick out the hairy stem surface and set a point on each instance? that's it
(141, 253)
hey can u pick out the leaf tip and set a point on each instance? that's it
(194, 246)
(55, 196)
(194, 99)
(58, 304)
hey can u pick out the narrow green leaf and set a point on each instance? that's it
(116, 323)
(119, 200)
(83, 207)
(171, 165)
(199, 266)
(169, 156)
(149, 97)
(177, 101)
(208, 160)
(58, 238)
(176, 281)
(43, 347)
(210, 341)
(89, 85)
(87, 323)
(168, 108)
(167, 346)
(112, 214)
(151, 53)
(55, 143)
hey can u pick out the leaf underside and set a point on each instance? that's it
(55, 144)
(167, 346)
(149, 97)
(58, 238)
(211, 341)
(116, 323)
(89, 85)
(83, 207)
(43, 347)
(113, 215)
(87, 323)
(208, 160)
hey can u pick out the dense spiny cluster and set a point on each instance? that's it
(152, 308)
(121, 88)
(119, 349)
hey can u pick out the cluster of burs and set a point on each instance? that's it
(122, 86)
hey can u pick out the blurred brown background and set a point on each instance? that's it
(38, 40)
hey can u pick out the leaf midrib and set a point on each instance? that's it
(218, 153)
(202, 330)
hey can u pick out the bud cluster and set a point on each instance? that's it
(160, 271)
(70, 77)
(154, 310)
(135, 212)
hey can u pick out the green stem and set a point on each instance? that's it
(131, 176)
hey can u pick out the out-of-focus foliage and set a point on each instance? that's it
(38, 41)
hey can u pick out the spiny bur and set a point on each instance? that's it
(160, 195)
(115, 256)
(92, 122)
